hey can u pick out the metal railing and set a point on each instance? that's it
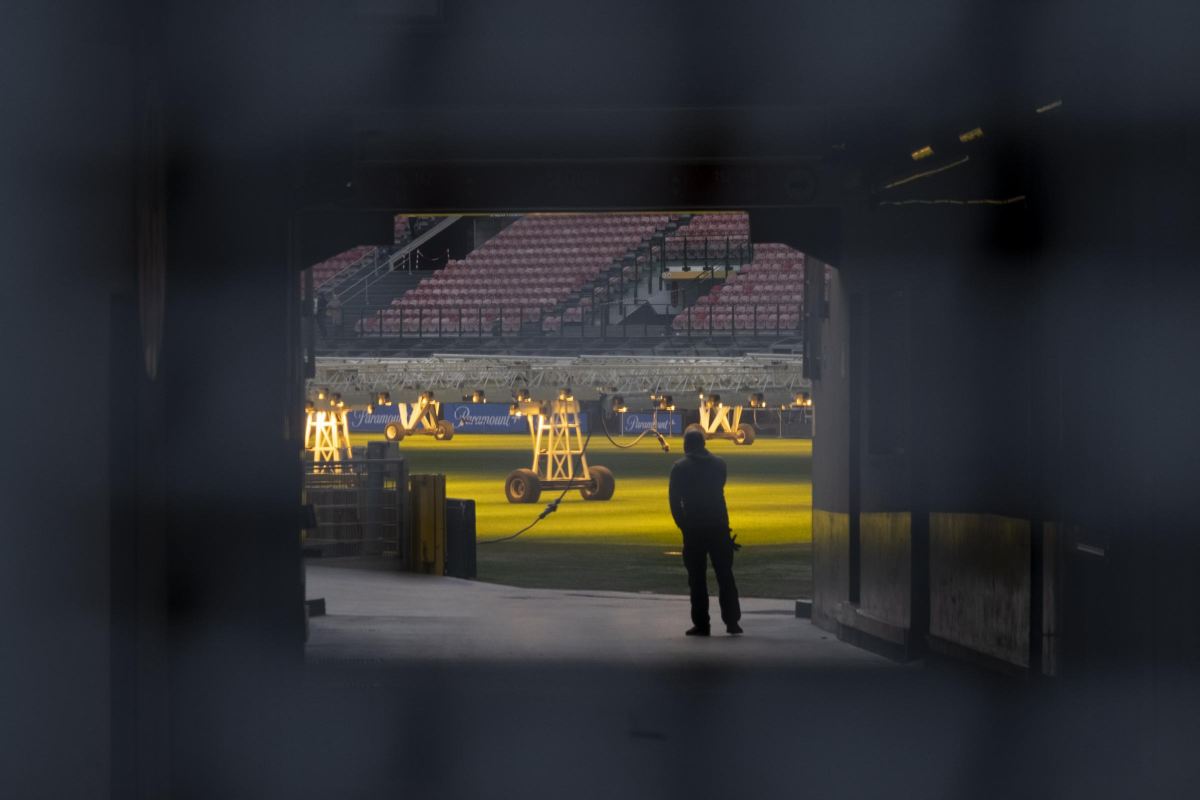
(350, 275)
(598, 320)
(705, 252)
(384, 261)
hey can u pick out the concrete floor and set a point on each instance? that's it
(397, 617)
(429, 687)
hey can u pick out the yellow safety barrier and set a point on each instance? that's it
(427, 524)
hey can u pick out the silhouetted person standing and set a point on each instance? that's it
(697, 497)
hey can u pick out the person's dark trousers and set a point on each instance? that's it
(698, 549)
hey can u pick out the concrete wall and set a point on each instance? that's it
(831, 565)
(979, 584)
(826, 328)
(885, 568)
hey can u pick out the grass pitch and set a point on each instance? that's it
(629, 543)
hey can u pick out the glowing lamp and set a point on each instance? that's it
(618, 404)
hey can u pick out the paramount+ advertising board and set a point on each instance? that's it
(633, 423)
(362, 422)
(467, 418)
(483, 418)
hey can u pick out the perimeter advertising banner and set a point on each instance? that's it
(490, 418)
(467, 418)
(483, 418)
(362, 422)
(634, 423)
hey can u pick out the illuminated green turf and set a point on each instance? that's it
(629, 543)
(769, 491)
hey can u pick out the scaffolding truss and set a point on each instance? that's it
(629, 374)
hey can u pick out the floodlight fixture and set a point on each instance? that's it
(565, 393)
(322, 394)
(756, 400)
(521, 395)
(618, 404)
(478, 396)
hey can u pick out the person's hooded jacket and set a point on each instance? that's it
(697, 490)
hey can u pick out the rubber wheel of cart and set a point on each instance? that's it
(393, 432)
(603, 484)
(744, 434)
(445, 430)
(522, 486)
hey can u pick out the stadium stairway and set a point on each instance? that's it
(379, 294)
(373, 287)
(627, 280)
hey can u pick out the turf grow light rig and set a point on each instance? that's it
(559, 452)
(719, 421)
(419, 417)
(326, 431)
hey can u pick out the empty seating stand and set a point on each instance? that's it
(521, 277)
(735, 225)
(765, 297)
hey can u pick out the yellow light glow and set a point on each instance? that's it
(971, 135)
(924, 152)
